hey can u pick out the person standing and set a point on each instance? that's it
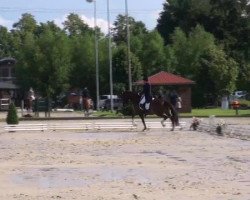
(29, 101)
(173, 98)
(178, 103)
(145, 95)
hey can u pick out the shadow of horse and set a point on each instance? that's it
(158, 107)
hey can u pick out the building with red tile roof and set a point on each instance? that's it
(165, 78)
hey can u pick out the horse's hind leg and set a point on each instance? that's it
(165, 116)
(163, 120)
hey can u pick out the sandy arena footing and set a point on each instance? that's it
(160, 165)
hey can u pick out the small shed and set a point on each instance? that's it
(170, 81)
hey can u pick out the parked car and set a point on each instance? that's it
(103, 98)
(240, 94)
(117, 104)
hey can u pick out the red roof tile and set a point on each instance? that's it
(164, 78)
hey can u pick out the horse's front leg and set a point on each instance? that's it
(173, 123)
(143, 122)
(133, 121)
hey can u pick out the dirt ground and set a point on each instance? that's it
(151, 165)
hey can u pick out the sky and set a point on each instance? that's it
(146, 11)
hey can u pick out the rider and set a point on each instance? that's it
(145, 94)
(85, 93)
(86, 99)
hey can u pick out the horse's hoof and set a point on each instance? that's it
(172, 129)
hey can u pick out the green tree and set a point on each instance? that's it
(120, 28)
(23, 43)
(82, 50)
(120, 68)
(27, 57)
(5, 45)
(53, 64)
(185, 14)
(27, 23)
(188, 49)
(196, 56)
(74, 25)
(227, 20)
(217, 76)
(82, 61)
(152, 56)
(43, 60)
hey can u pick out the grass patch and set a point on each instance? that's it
(217, 112)
(195, 112)
(107, 114)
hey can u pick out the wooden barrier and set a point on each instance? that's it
(25, 127)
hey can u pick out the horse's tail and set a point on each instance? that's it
(173, 113)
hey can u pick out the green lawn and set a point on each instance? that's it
(195, 112)
(217, 112)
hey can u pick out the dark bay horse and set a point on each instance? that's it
(158, 107)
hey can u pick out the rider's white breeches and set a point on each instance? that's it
(143, 100)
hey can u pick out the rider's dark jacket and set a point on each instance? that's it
(85, 93)
(146, 91)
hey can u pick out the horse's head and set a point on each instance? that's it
(129, 96)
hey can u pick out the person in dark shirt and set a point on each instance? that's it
(145, 95)
(173, 98)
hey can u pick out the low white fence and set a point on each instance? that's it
(167, 125)
(25, 127)
(89, 126)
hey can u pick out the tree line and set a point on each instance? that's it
(206, 41)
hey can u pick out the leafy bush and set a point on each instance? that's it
(12, 117)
